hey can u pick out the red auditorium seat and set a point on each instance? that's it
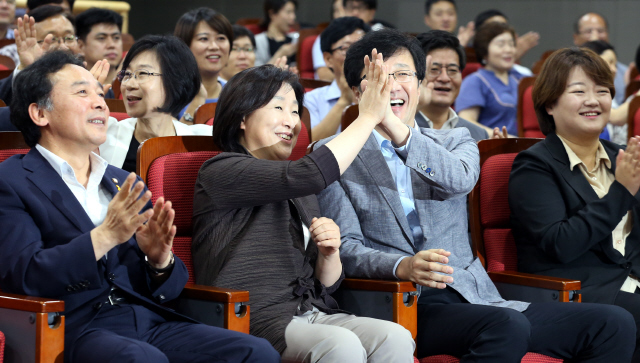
(169, 167)
(528, 125)
(470, 68)
(205, 113)
(310, 84)
(12, 143)
(304, 57)
(633, 119)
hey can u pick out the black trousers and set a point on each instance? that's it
(133, 333)
(631, 303)
(581, 332)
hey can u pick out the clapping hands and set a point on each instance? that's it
(628, 166)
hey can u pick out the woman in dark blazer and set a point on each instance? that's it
(258, 227)
(573, 197)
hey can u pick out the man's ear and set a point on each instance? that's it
(357, 92)
(328, 59)
(37, 115)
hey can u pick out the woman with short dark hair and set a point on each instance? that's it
(573, 196)
(209, 35)
(489, 96)
(159, 77)
(276, 42)
(258, 227)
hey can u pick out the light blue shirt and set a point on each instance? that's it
(320, 101)
(395, 158)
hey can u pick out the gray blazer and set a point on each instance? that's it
(477, 132)
(366, 205)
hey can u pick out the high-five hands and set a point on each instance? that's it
(426, 268)
(376, 88)
(628, 166)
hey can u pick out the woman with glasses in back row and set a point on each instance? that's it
(159, 77)
(243, 53)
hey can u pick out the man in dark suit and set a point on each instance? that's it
(80, 230)
(445, 74)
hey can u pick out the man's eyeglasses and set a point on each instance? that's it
(342, 50)
(140, 75)
(68, 40)
(244, 49)
(436, 69)
(400, 76)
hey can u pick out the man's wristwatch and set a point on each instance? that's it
(158, 271)
(187, 117)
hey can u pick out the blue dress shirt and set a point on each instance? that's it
(395, 158)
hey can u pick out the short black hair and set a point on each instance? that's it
(186, 25)
(388, 42)
(598, 46)
(34, 85)
(486, 15)
(246, 92)
(45, 12)
(429, 3)
(441, 39)
(239, 31)
(87, 19)
(274, 6)
(370, 4)
(576, 24)
(180, 75)
(340, 28)
(32, 4)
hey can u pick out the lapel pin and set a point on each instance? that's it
(115, 181)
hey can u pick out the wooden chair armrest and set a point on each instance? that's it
(381, 299)
(532, 280)
(217, 306)
(212, 293)
(378, 285)
(30, 303)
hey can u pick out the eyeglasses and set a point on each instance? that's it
(68, 40)
(140, 75)
(342, 50)
(400, 76)
(245, 49)
(436, 70)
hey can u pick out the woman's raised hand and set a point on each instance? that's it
(376, 88)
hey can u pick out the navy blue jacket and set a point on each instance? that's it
(46, 248)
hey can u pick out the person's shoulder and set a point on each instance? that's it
(117, 173)
(476, 131)
(457, 132)
(185, 130)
